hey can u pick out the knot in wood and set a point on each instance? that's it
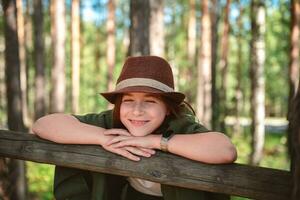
(26, 148)
(219, 179)
(156, 174)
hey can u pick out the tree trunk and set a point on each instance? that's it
(29, 48)
(13, 171)
(12, 68)
(139, 28)
(294, 50)
(294, 100)
(214, 48)
(40, 88)
(97, 51)
(294, 129)
(58, 35)
(75, 55)
(187, 74)
(156, 34)
(224, 67)
(238, 92)
(2, 82)
(294, 64)
(22, 55)
(191, 40)
(111, 44)
(257, 80)
(204, 68)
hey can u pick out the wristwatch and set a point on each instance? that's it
(164, 142)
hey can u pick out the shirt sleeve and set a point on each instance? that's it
(103, 119)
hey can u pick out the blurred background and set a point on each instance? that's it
(236, 60)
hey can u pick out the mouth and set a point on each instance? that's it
(138, 122)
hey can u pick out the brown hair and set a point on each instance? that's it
(116, 112)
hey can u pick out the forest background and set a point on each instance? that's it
(232, 59)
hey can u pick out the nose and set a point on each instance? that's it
(138, 109)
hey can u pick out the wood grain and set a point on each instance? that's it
(234, 179)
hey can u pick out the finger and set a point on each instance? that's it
(127, 154)
(138, 151)
(151, 151)
(131, 141)
(122, 132)
(122, 152)
(116, 140)
(125, 142)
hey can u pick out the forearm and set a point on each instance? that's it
(210, 147)
(63, 128)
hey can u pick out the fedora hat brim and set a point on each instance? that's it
(174, 96)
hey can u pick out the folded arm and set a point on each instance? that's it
(210, 147)
(67, 129)
(63, 128)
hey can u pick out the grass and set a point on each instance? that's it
(40, 176)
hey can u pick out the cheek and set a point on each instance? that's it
(161, 113)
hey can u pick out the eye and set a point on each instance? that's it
(150, 101)
(127, 100)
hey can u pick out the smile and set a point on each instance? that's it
(138, 122)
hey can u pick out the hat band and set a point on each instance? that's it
(144, 82)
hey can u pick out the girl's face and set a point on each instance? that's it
(142, 113)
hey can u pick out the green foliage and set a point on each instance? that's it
(93, 38)
(276, 63)
(40, 180)
(185, 71)
(275, 153)
(277, 59)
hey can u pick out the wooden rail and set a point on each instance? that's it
(233, 179)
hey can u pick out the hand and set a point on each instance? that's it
(149, 141)
(130, 152)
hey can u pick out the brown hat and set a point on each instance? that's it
(150, 74)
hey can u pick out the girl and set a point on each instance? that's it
(148, 115)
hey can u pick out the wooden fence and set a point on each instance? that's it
(233, 179)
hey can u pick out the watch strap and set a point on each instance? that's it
(164, 142)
